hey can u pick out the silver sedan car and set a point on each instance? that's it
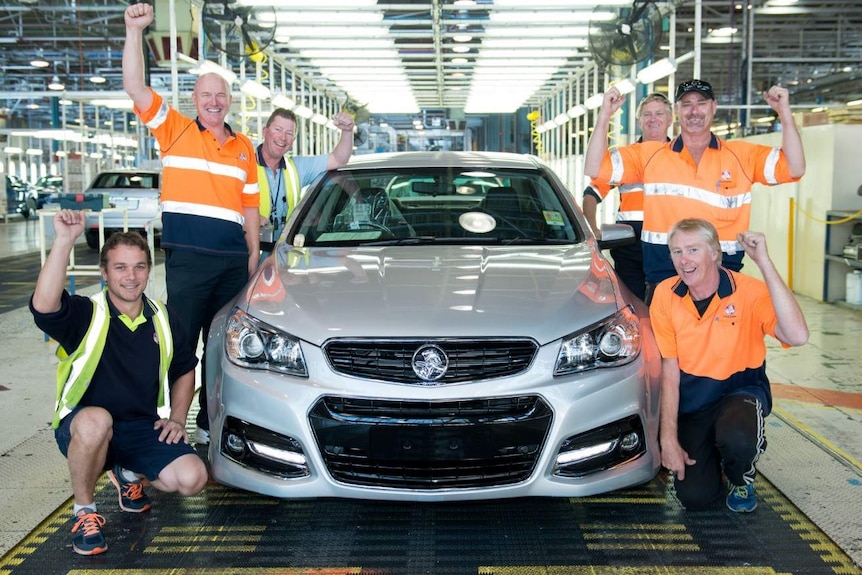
(435, 327)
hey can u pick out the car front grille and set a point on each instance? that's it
(431, 445)
(392, 360)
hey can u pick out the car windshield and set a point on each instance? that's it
(434, 206)
(125, 180)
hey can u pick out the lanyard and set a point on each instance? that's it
(274, 191)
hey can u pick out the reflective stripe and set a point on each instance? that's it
(617, 167)
(659, 238)
(631, 216)
(705, 196)
(160, 117)
(293, 188)
(190, 163)
(193, 209)
(770, 165)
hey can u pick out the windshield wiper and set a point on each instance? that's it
(415, 240)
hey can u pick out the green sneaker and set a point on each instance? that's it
(741, 498)
(87, 538)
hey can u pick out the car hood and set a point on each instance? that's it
(433, 291)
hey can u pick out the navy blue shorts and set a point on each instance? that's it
(135, 446)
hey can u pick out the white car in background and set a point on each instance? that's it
(137, 191)
(435, 326)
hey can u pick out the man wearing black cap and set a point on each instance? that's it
(695, 175)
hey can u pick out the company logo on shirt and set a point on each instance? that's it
(730, 310)
(156, 337)
(725, 175)
(242, 156)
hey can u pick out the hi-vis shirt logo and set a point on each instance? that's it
(156, 337)
(725, 175)
(242, 156)
(730, 310)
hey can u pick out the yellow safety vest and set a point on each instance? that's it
(291, 188)
(75, 371)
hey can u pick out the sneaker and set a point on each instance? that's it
(202, 436)
(131, 493)
(87, 538)
(741, 498)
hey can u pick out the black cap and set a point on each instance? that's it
(694, 86)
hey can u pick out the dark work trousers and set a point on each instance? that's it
(726, 438)
(198, 286)
(629, 262)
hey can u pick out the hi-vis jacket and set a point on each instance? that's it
(75, 371)
(292, 188)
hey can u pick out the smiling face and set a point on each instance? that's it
(278, 138)
(211, 98)
(126, 273)
(695, 112)
(696, 262)
(655, 119)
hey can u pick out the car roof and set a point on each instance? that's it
(496, 160)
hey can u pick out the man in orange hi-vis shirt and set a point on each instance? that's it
(696, 174)
(210, 198)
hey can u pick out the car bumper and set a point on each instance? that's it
(306, 453)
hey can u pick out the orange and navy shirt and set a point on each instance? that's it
(205, 185)
(718, 189)
(722, 352)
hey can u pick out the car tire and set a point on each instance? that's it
(92, 239)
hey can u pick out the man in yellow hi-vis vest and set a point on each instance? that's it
(123, 356)
(281, 179)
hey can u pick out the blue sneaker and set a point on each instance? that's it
(131, 493)
(741, 498)
(87, 538)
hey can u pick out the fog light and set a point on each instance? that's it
(630, 441)
(275, 454)
(235, 443)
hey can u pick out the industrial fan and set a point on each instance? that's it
(238, 30)
(627, 39)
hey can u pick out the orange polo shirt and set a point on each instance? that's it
(723, 352)
(205, 184)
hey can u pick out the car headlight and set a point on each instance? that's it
(614, 341)
(252, 343)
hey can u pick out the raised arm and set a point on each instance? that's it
(68, 226)
(598, 144)
(138, 17)
(778, 99)
(791, 328)
(344, 148)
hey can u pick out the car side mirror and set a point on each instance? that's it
(616, 236)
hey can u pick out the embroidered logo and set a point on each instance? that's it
(242, 156)
(725, 175)
(730, 310)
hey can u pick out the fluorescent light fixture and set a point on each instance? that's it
(459, 61)
(526, 4)
(531, 53)
(537, 43)
(117, 104)
(657, 70)
(61, 153)
(96, 155)
(367, 62)
(310, 16)
(32, 106)
(624, 86)
(460, 49)
(256, 90)
(576, 111)
(97, 79)
(303, 111)
(34, 152)
(55, 84)
(351, 52)
(538, 17)
(550, 34)
(594, 101)
(854, 103)
(317, 5)
(561, 119)
(341, 44)
(210, 67)
(461, 38)
(764, 120)
(39, 63)
(282, 101)
(13, 150)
